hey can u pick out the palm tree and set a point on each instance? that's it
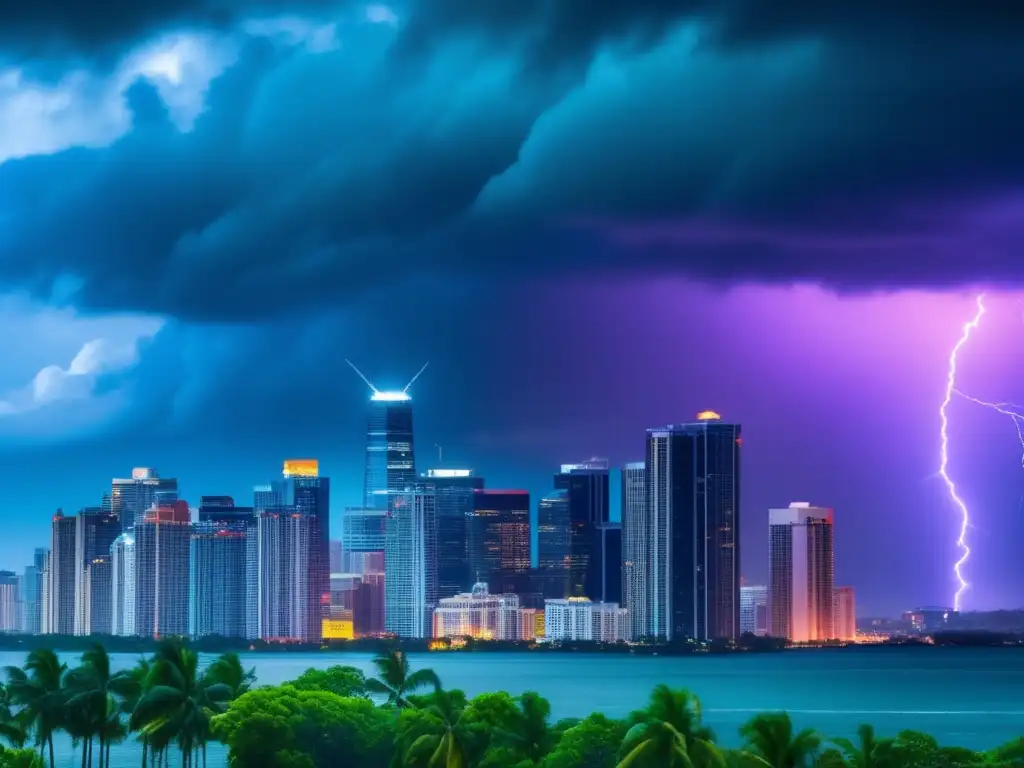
(868, 752)
(529, 732)
(772, 742)
(93, 699)
(449, 743)
(227, 669)
(12, 724)
(178, 702)
(394, 679)
(670, 731)
(37, 687)
(139, 674)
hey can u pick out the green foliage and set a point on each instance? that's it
(20, 758)
(395, 680)
(592, 743)
(771, 739)
(276, 727)
(343, 681)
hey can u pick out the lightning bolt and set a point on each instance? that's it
(951, 389)
(1015, 412)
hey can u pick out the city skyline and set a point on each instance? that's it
(196, 234)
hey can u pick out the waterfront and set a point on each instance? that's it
(964, 696)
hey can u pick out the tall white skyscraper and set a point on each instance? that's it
(9, 619)
(410, 564)
(634, 547)
(284, 538)
(801, 573)
(122, 555)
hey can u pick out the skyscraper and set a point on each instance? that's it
(634, 547)
(62, 576)
(410, 563)
(162, 547)
(586, 485)
(362, 534)
(390, 456)
(309, 495)
(95, 532)
(553, 531)
(9, 602)
(122, 603)
(754, 609)
(285, 549)
(604, 577)
(801, 573)
(499, 536)
(692, 529)
(454, 491)
(130, 498)
(33, 595)
(218, 561)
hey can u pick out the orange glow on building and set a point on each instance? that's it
(337, 629)
(175, 512)
(708, 416)
(301, 468)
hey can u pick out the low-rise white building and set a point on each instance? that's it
(479, 614)
(578, 618)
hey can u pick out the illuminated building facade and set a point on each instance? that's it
(362, 537)
(131, 498)
(586, 485)
(754, 609)
(410, 564)
(479, 614)
(284, 538)
(9, 600)
(218, 578)
(390, 456)
(309, 495)
(454, 491)
(162, 548)
(634, 546)
(95, 532)
(62, 576)
(578, 618)
(122, 557)
(845, 615)
(692, 482)
(499, 535)
(801, 573)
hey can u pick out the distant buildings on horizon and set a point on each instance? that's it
(439, 554)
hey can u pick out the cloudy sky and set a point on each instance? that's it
(591, 217)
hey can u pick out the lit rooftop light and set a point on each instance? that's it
(390, 397)
(708, 416)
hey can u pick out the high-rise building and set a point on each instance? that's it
(46, 597)
(801, 573)
(692, 525)
(62, 576)
(634, 547)
(586, 485)
(604, 577)
(162, 548)
(368, 605)
(9, 602)
(336, 557)
(553, 532)
(845, 615)
(754, 609)
(499, 535)
(309, 494)
(131, 498)
(122, 562)
(410, 563)
(478, 614)
(390, 455)
(219, 584)
(454, 491)
(284, 553)
(32, 598)
(95, 532)
(362, 535)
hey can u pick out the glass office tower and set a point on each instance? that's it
(692, 524)
(390, 458)
(454, 491)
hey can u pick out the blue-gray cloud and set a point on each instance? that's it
(434, 148)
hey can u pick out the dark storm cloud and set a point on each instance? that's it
(312, 179)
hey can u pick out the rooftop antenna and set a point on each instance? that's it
(411, 381)
(368, 383)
